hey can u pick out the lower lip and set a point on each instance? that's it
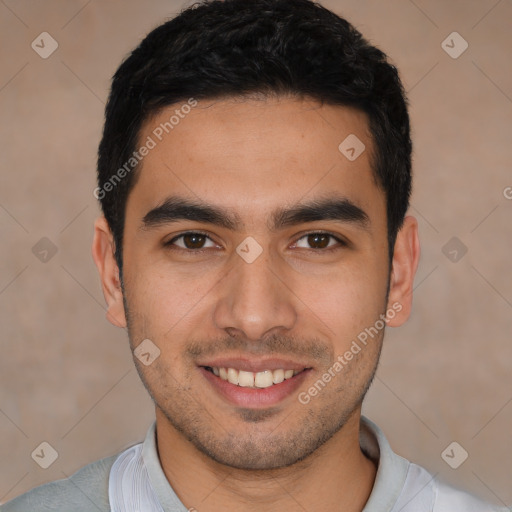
(254, 398)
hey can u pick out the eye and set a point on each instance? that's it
(196, 241)
(192, 241)
(320, 240)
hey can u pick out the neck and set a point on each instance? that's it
(338, 476)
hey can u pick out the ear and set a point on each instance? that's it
(405, 262)
(103, 249)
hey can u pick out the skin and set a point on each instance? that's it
(296, 300)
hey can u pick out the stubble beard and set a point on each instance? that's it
(257, 448)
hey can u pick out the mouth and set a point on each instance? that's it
(254, 385)
(247, 379)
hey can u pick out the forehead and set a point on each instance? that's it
(252, 155)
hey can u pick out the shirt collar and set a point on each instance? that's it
(159, 482)
(391, 468)
(389, 482)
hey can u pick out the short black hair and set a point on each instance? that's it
(237, 48)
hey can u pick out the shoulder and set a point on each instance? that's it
(449, 498)
(407, 487)
(423, 491)
(85, 490)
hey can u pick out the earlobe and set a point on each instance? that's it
(103, 254)
(405, 263)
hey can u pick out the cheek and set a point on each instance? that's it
(346, 301)
(168, 300)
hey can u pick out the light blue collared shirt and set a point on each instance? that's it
(137, 482)
(134, 481)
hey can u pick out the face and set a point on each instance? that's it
(256, 251)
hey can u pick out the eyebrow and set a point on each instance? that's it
(175, 208)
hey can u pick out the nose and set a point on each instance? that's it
(254, 300)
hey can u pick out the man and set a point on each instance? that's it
(254, 176)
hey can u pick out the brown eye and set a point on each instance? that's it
(320, 241)
(191, 241)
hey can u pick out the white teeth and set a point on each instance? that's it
(245, 379)
(262, 379)
(232, 376)
(278, 376)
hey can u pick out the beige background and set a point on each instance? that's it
(66, 374)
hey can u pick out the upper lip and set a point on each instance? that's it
(254, 365)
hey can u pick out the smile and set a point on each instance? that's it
(254, 383)
(247, 379)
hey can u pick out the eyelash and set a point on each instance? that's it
(171, 246)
